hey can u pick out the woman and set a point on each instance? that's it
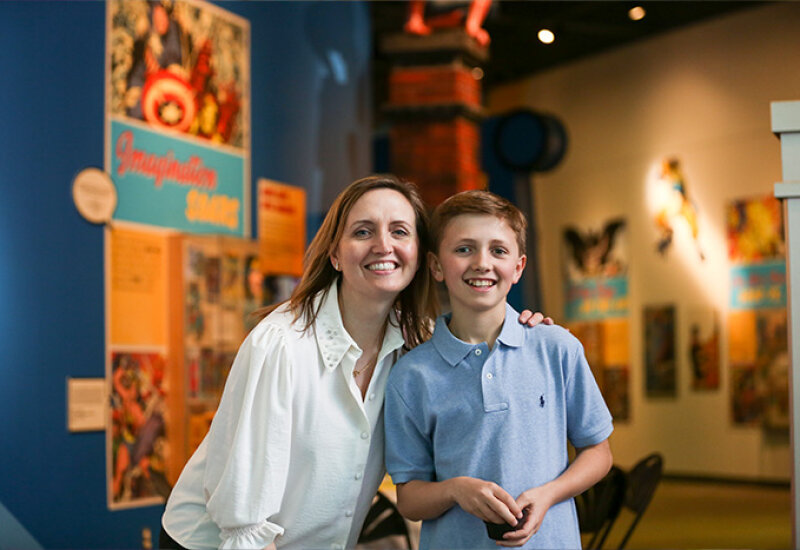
(294, 455)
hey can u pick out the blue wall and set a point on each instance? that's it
(310, 103)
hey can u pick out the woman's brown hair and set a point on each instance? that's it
(416, 305)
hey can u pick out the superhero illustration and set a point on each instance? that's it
(424, 16)
(595, 253)
(137, 423)
(755, 229)
(676, 206)
(177, 66)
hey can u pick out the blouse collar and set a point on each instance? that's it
(333, 339)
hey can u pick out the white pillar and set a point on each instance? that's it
(786, 125)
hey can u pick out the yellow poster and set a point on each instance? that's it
(606, 343)
(137, 294)
(281, 227)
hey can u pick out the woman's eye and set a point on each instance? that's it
(361, 233)
(401, 232)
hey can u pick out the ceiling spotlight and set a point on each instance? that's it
(546, 36)
(636, 13)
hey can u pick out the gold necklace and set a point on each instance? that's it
(374, 361)
(369, 365)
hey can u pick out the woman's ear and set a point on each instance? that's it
(436, 267)
(334, 260)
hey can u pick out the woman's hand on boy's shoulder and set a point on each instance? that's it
(531, 319)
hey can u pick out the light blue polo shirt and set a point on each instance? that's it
(458, 409)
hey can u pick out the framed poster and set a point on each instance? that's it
(702, 351)
(595, 266)
(281, 227)
(178, 115)
(137, 458)
(659, 351)
(606, 344)
(757, 321)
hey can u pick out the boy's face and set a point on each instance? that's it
(478, 260)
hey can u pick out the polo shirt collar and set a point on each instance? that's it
(512, 333)
(333, 339)
(454, 350)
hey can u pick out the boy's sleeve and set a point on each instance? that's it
(409, 450)
(588, 420)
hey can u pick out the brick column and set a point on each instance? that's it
(435, 109)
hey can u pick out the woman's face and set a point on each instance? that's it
(378, 253)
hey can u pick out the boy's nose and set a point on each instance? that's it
(481, 262)
(480, 266)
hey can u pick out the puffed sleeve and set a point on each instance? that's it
(409, 451)
(249, 443)
(588, 419)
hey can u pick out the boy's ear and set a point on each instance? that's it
(520, 267)
(436, 267)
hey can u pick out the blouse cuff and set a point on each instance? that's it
(251, 536)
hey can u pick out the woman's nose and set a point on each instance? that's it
(382, 244)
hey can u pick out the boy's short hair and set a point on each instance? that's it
(478, 202)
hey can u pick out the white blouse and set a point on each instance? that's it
(294, 454)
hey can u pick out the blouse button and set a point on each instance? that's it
(359, 475)
(348, 514)
(372, 397)
(490, 376)
(364, 435)
(477, 352)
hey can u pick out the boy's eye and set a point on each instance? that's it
(462, 250)
(500, 251)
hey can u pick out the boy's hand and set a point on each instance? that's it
(533, 319)
(486, 500)
(538, 502)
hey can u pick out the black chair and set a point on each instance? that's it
(383, 520)
(599, 506)
(643, 480)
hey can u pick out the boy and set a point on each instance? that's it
(477, 419)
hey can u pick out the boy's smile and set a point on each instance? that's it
(479, 260)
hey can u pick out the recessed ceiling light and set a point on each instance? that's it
(636, 13)
(546, 36)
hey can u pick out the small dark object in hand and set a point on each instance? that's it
(497, 530)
